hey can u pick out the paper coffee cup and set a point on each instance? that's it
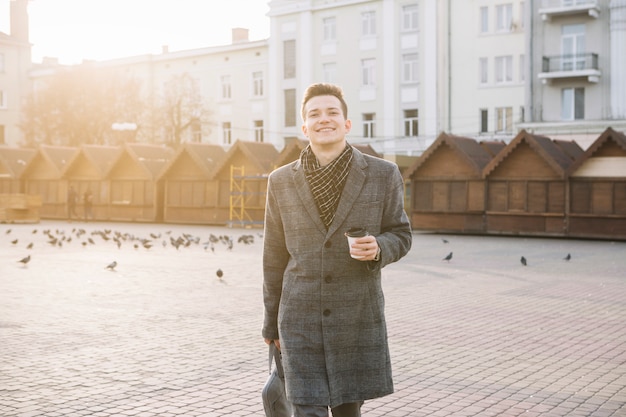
(353, 234)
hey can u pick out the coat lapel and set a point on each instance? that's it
(351, 190)
(304, 192)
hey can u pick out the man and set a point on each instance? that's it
(323, 308)
(72, 198)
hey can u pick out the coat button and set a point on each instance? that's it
(326, 313)
(328, 244)
(328, 278)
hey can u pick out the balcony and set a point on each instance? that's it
(570, 66)
(556, 8)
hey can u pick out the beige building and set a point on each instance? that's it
(578, 66)
(370, 48)
(15, 61)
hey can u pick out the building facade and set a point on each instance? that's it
(15, 62)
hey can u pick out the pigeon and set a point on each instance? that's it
(445, 240)
(30, 245)
(523, 261)
(568, 257)
(14, 241)
(448, 257)
(25, 260)
(219, 273)
(111, 266)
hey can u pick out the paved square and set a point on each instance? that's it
(162, 335)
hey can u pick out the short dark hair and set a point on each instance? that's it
(324, 89)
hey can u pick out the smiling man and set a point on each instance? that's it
(324, 304)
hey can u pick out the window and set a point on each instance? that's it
(227, 133)
(504, 119)
(573, 104)
(2, 69)
(368, 67)
(504, 69)
(484, 120)
(572, 47)
(483, 71)
(522, 21)
(330, 31)
(290, 107)
(258, 130)
(484, 19)
(289, 64)
(368, 23)
(257, 84)
(368, 125)
(409, 17)
(409, 68)
(226, 89)
(3, 100)
(504, 17)
(410, 123)
(522, 70)
(329, 72)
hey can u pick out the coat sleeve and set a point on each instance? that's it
(395, 238)
(275, 258)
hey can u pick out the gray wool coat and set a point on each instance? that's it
(326, 308)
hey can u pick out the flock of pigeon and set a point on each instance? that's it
(60, 238)
(522, 260)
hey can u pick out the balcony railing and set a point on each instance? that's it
(553, 8)
(570, 66)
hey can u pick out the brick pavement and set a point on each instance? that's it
(480, 335)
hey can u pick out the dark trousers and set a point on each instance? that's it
(343, 410)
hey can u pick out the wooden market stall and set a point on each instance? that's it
(44, 177)
(447, 186)
(526, 187)
(13, 163)
(88, 172)
(597, 189)
(242, 176)
(190, 188)
(136, 193)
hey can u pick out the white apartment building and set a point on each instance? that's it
(483, 74)
(15, 61)
(369, 48)
(577, 62)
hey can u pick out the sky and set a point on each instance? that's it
(73, 30)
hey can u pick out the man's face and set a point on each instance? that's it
(324, 122)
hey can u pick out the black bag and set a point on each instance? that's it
(275, 401)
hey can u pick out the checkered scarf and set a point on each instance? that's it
(326, 182)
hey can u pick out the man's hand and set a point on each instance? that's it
(276, 342)
(365, 248)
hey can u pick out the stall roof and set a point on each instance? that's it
(205, 155)
(545, 147)
(152, 158)
(57, 157)
(290, 152)
(101, 157)
(14, 161)
(468, 149)
(594, 162)
(262, 155)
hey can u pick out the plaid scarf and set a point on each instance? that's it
(326, 182)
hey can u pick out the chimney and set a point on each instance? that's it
(240, 35)
(19, 20)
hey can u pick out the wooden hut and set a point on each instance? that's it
(242, 176)
(136, 194)
(13, 163)
(87, 172)
(190, 188)
(447, 186)
(526, 187)
(597, 185)
(44, 177)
